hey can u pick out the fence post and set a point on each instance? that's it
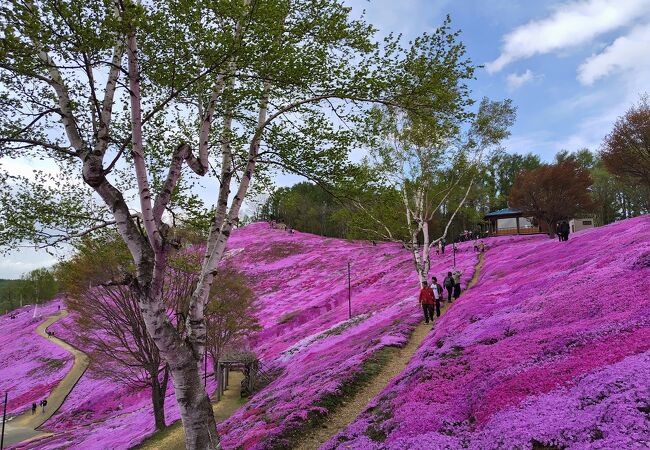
(349, 294)
(4, 419)
(217, 376)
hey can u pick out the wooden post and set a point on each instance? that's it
(349, 294)
(205, 369)
(517, 225)
(4, 419)
(252, 376)
(217, 376)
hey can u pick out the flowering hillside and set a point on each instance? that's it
(30, 365)
(305, 328)
(301, 283)
(551, 349)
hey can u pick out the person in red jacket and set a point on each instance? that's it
(427, 301)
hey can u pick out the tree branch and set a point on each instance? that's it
(33, 142)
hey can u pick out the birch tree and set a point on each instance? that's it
(433, 166)
(131, 103)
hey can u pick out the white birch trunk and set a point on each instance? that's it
(194, 405)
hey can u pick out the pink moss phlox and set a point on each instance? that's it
(550, 347)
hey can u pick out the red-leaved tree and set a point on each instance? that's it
(552, 193)
(626, 150)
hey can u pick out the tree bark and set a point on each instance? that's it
(158, 400)
(195, 408)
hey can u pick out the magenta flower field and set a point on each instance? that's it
(30, 365)
(551, 349)
(301, 283)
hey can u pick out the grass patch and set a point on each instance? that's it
(288, 316)
(281, 250)
(158, 437)
(541, 446)
(375, 433)
(332, 402)
(455, 352)
(51, 365)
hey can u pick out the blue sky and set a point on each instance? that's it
(571, 68)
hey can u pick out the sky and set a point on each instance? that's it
(570, 67)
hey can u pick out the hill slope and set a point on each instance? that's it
(301, 282)
(30, 366)
(551, 349)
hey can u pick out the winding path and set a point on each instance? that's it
(349, 411)
(25, 426)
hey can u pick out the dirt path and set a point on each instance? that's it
(174, 437)
(24, 427)
(350, 410)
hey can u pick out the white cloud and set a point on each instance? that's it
(515, 80)
(570, 24)
(24, 261)
(627, 53)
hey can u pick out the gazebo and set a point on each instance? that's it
(510, 221)
(246, 362)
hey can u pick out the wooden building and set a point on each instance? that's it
(510, 221)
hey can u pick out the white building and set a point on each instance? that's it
(581, 224)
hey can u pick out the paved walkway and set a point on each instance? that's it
(25, 427)
(349, 411)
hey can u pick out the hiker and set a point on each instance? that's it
(426, 300)
(437, 294)
(439, 248)
(34, 408)
(442, 246)
(564, 229)
(558, 231)
(449, 284)
(456, 275)
(482, 247)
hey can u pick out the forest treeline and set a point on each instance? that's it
(37, 286)
(333, 210)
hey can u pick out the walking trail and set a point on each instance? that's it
(25, 426)
(350, 410)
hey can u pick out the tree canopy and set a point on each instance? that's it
(553, 192)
